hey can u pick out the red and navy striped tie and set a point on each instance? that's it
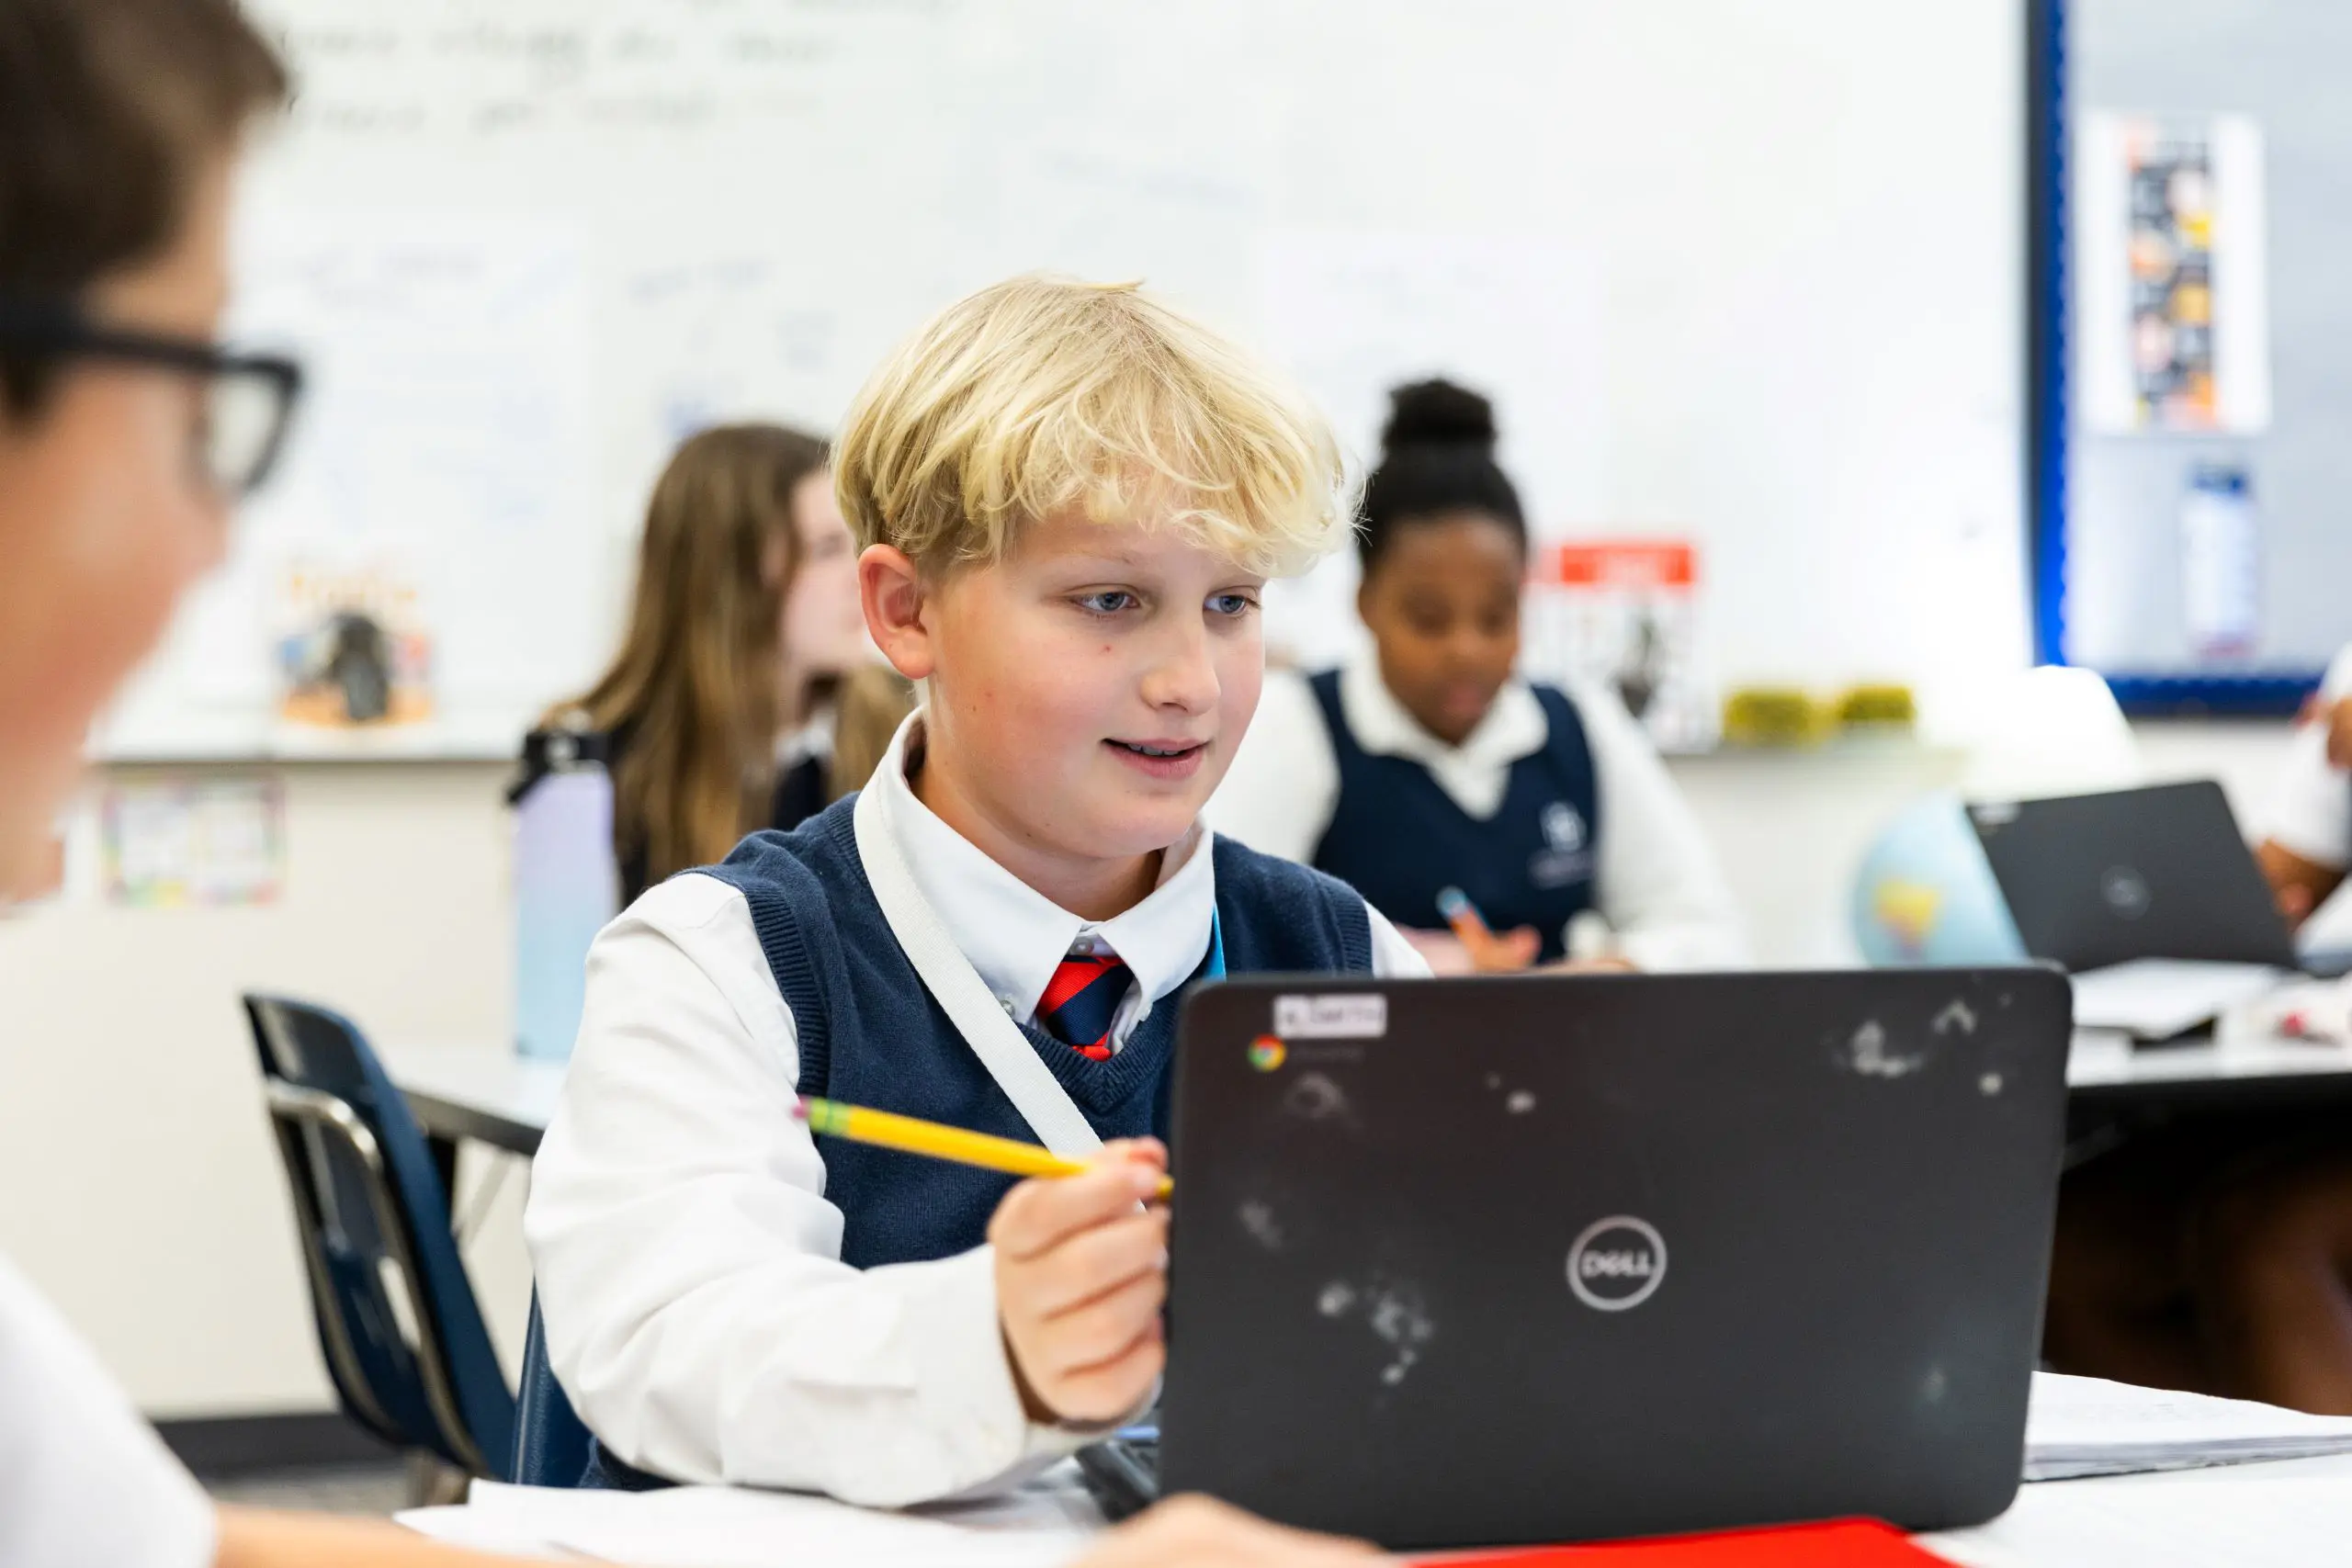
(1082, 998)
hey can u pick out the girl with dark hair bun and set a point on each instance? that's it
(1428, 765)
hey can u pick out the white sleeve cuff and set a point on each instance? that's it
(966, 1374)
(971, 1433)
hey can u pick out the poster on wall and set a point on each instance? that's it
(354, 647)
(182, 844)
(1624, 615)
(2173, 318)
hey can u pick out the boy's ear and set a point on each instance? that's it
(893, 593)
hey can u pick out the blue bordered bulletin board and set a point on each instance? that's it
(2128, 522)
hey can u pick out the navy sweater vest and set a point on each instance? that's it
(1397, 838)
(871, 1034)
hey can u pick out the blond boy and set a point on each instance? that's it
(1069, 498)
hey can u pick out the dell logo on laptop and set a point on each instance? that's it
(1617, 1263)
(2126, 892)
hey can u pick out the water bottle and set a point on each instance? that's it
(567, 884)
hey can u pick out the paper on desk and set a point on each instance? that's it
(2155, 998)
(468, 1529)
(2078, 1427)
(1041, 1526)
(2244, 1523)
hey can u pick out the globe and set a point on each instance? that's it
(1924, 894)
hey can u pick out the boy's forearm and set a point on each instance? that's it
(884, 1386)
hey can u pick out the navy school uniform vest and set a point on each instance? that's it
(871, 1033)
(1397, 838)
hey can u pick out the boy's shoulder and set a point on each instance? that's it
(1238, 865)
(813, 862)
(1282, 915)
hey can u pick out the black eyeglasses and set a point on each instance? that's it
(249, 399)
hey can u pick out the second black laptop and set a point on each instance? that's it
(2093, 880)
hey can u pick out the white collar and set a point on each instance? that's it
(1474, 773)
(1015, 936)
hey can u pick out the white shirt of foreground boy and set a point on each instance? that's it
(83, 1481)
(696, 1309)
(1657, 883)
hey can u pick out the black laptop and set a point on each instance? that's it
(2093, 880)
(1515, 1260)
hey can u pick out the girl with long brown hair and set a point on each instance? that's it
(745, 693)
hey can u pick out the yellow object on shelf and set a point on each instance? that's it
(1776, 715)
(1878, 707)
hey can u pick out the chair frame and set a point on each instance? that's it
(294, 1110)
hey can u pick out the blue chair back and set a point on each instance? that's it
(398, 1322)
(550, 1440)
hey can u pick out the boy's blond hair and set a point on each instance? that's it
(1038, 394)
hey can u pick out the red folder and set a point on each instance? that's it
(1841, 1543)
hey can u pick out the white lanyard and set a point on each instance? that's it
(994, 1038)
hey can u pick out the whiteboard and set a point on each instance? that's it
(1752, 279)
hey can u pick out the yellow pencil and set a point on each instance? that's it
(914, 1135)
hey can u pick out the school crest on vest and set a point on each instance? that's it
(1566, 855)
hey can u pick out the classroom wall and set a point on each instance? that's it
(139, 1186)
(132, 1113)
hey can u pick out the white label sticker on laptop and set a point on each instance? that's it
(1356, 1016)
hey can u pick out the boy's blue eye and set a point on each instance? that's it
(1231, 603)
(1109, 601)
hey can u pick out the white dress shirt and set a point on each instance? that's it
(83, 1480)
(1657, 884)
(689, 1269)
(2310, 809)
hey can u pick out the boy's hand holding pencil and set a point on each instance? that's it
(1081, 1274)
(1081, 1269)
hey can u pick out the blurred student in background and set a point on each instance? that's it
(1427, 764)
(2307, 840)
(2215, 1254)
(126, 437)
(746, 694)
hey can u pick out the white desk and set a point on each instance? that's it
(2234, 1068)
(2101, 1061)
(484, 1093)
(2250, 1515)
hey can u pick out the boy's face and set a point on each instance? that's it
(105, 520)
(1088, 692)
